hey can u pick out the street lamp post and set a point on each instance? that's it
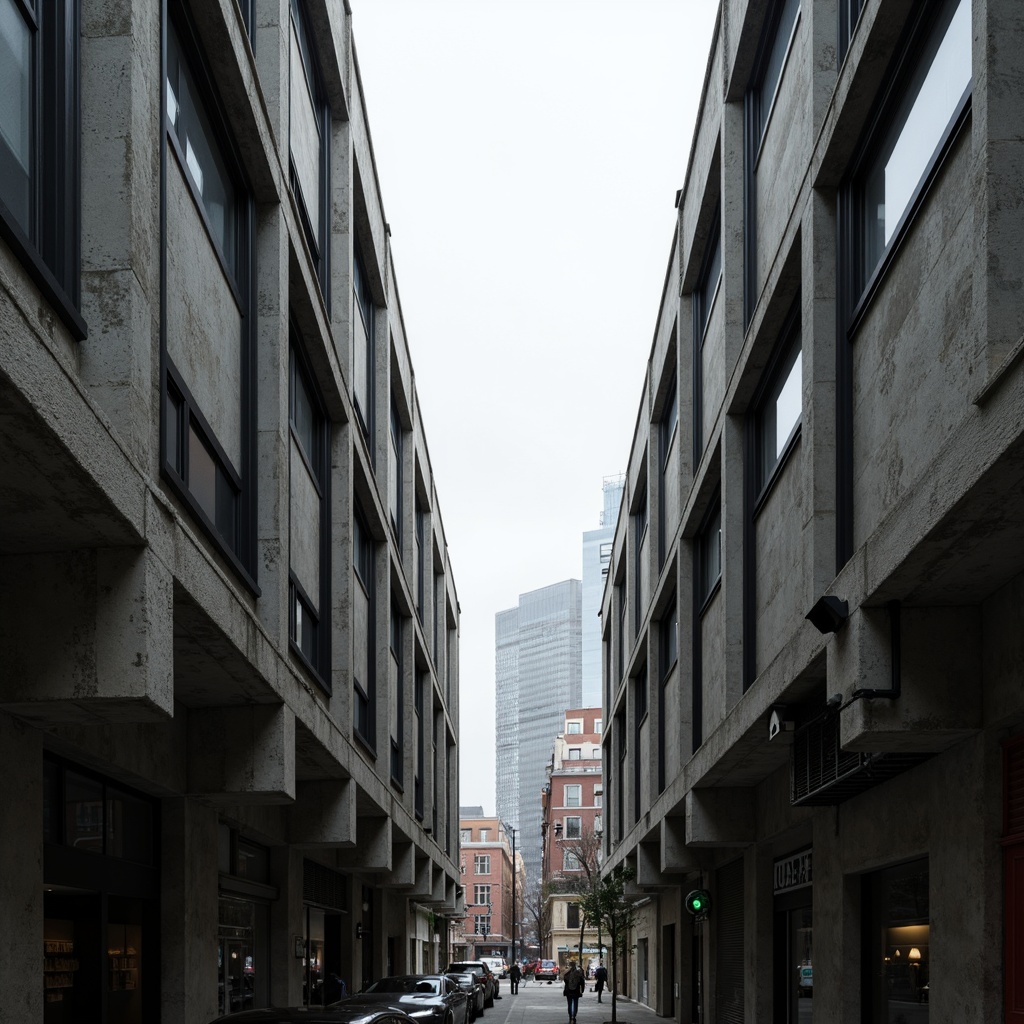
(514, 911)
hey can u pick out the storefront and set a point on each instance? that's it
(325, 905)
(101, 899)
(793, 967)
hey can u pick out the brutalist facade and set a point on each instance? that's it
(228, 623)
(814, 693)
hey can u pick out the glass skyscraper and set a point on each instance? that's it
(597, 554)
(538, 663)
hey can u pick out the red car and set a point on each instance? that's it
(545, 970)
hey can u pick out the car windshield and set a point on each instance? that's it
(405, 985)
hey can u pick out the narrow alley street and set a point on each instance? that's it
(538, 1002)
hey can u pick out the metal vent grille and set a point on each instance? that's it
(823, 774)
(322, 887)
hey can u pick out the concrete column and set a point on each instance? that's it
(21, 880)
(188, 911)
(286, 925)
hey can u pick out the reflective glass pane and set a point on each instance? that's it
(304, 128)
(919, 126)
(16, 76)
(304, 417)
(83, 812)
(129, 827)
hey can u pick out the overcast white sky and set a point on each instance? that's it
(529, 152)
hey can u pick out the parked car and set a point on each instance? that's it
(496, 964)
(428, 998)
(478, 967)
(350, 1011)
(546, 970)
(474, 986)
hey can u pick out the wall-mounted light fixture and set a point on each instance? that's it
(828, 614)
(359, 931)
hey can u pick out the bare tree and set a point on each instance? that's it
(586, 848)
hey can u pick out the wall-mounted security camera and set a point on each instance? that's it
(780, 726)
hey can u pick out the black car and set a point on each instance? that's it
(427, 998)
(350, 1011)
(480, 968)
(474, 987)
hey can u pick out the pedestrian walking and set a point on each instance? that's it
(514, 976)
(574, 982)
(601, 976)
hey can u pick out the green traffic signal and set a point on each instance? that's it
(698, 902)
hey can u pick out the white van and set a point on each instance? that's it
(496, 964)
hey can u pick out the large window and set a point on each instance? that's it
(363, 667)
(573, 827)
(309, 142)
(395, 496)
(208, 344)
(309, 546)
(709, 554)
(39, 162)
(933, 89)
(482, 895)
(573, 795)
(482, 864)
(669, 485)
(640, 559)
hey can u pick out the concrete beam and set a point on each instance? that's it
(103, 648)
(241, 754)
(940, 671)
(720, 817)
(324, 814)
(403, 866)
(676, 858)
(372, 851)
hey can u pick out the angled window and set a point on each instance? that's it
(639, 718)
(779, 30)
(781, 25)
(849, 12)
(640, 576)
(247, 8)
(709, 555)
(418, 756)
(395, 473)
(667, 503)
(703, 300)
(39, 157)
(207, 335)
(620, 596)
(309, 529)
(778, 411)
(364, 680)
(930, 94)
(396, 699)
(362, 348)
(309, 142)
(419, 553)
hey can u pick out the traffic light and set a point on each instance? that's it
(698, 903)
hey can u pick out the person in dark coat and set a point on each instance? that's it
(600, 976)
(514, 977)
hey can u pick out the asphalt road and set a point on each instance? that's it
(537, 1002)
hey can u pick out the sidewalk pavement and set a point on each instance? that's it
(540, 1003)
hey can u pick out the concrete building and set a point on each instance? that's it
(597, 556)
(572, 828)
(537, 675)
(228, 622)
(813, 628)
(492, 880)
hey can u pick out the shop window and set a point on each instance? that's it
(39, 158)
(897, 930)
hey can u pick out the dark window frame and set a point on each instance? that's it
(420, 687)
(241, 553)
(849, 16)
(397, 442)
(364, 308)
(668, 659)
(49, 245)
(857, 291)
(300, 372)
(397, 742)
(641, 526)
(318, 236)
(668, 430)
(704, 591)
